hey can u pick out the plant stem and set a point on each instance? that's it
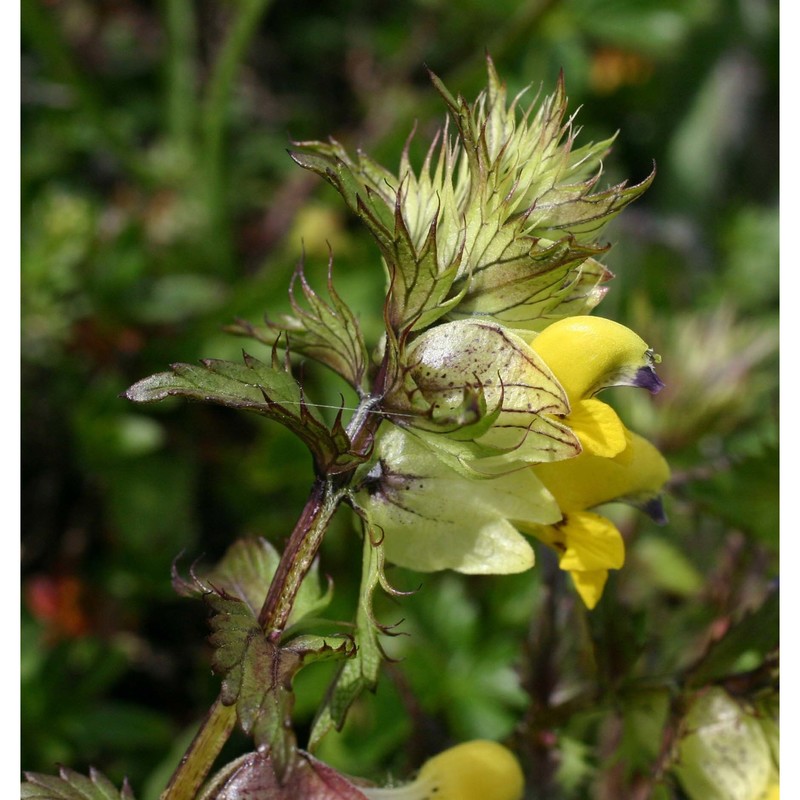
(298, 556)
(203, 751)
(294, 564)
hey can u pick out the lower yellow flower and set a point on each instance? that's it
(477, 770)
(589, 544)
(588, 354)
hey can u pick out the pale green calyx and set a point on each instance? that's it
(724, 753)
(516, 398)
(430, 517)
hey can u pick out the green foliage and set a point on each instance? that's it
(269, 391)
(327, 333)
(158, 204)
(256, 672)
(360, 671)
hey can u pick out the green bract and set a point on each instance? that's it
(501, 222)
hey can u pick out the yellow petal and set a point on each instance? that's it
(590, 585)
(592, 543)
(588, 354)
(479, 770)
(598, 428)
(587, 480)
(773, 792)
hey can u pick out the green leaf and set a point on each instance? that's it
(361, 189)
(257, 673)
(526, 283)
(361, 671)
(573, 210)
(71, 785)
(753, 637)
(419, 283)
(252, 386)
(503, 223)
(665, 567)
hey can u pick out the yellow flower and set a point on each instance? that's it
(434, 505)
(477, 770)
(588, 354)
(588, 543)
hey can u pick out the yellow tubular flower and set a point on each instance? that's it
(592, 353)
(588, 354)
(589, 544)
(477, 770)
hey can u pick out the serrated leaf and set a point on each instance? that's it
(331, 162)
(418, 285)
(575, 211)
(256, 672)
(460, 235)
(251, 386)
(70, 785)
(527, 282)
(360, 672)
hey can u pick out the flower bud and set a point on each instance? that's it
(477, 770)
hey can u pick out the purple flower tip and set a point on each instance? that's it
(646, 378)
(654, 508)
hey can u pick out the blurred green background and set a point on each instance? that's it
(159, 204)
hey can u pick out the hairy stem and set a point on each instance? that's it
(203, 751)
(298, 556)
